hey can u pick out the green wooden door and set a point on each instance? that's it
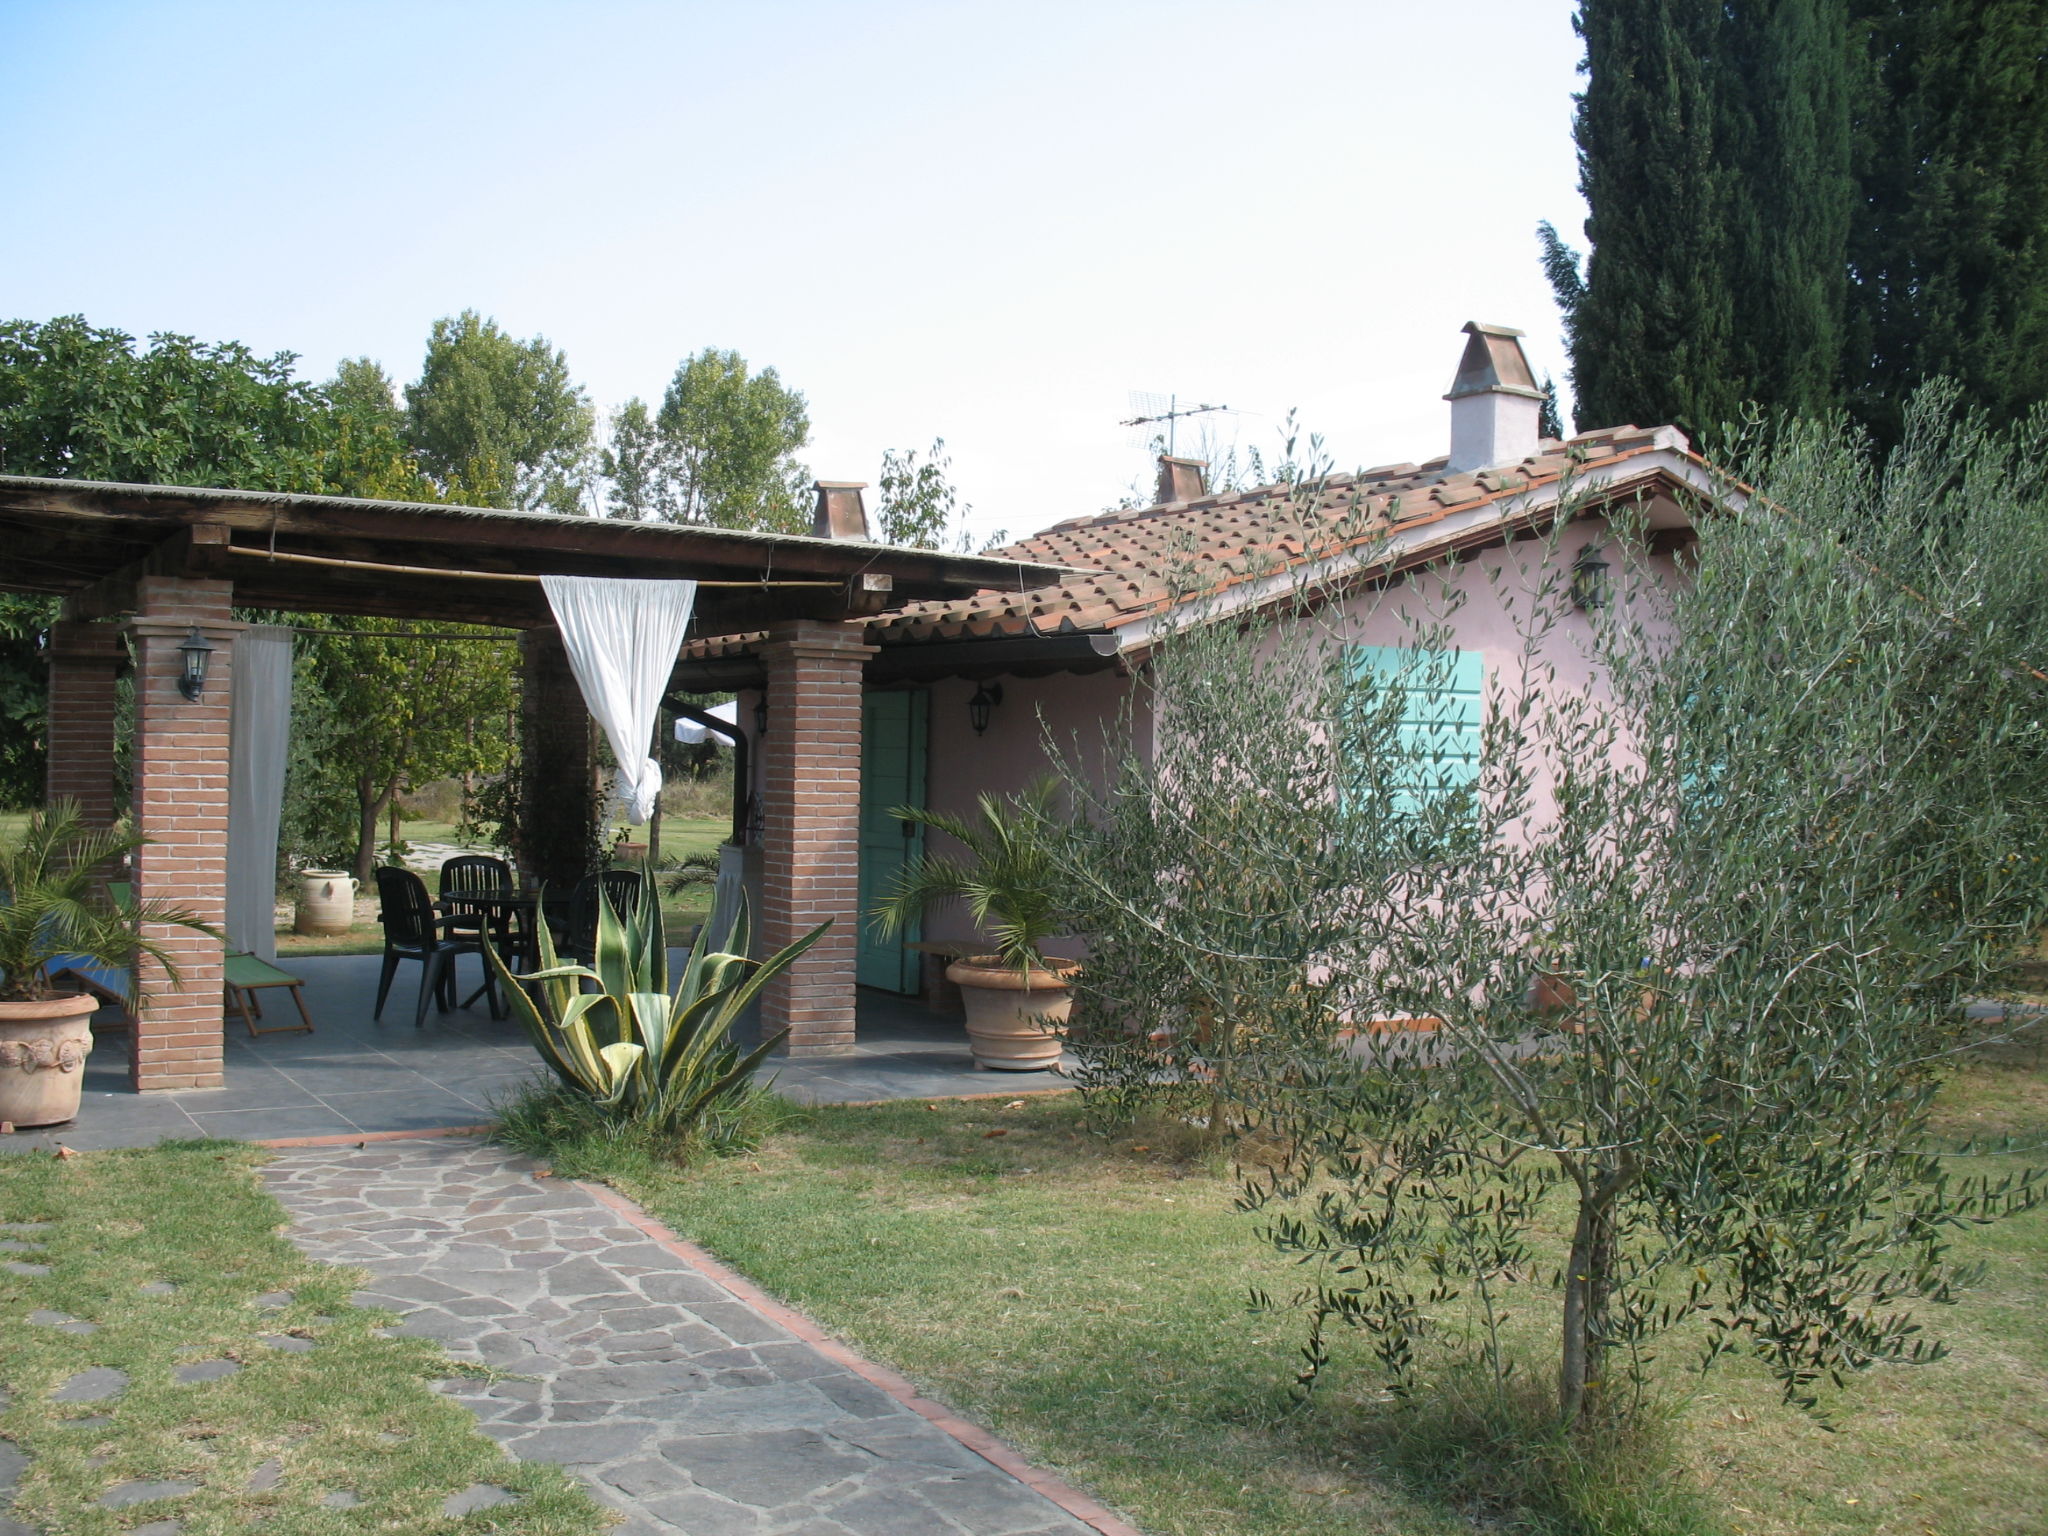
(892, 751)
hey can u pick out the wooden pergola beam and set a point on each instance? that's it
(200, 550)
(485, 540)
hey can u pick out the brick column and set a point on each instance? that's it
(557, 759)
(181, 806)
(810, 829)
(85, 663)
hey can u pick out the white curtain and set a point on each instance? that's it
(259, 731)
(623, 638)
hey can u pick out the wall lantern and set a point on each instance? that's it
(983, 705)
(761, 715)
(1589, 580)
(195, 650)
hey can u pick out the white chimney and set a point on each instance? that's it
(1496, 408)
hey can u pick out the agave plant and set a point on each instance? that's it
(637, 1049)
(50, 908)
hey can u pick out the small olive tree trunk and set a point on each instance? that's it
(1588, 1283)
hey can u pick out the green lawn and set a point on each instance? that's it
(352, 1415)
(1087, 1300)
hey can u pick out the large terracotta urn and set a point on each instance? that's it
(327, 902)
(1015, 1019)
(43, 1046)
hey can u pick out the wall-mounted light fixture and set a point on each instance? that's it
(761, 715)
(195, 650)
(1589, 580)
(983, 705)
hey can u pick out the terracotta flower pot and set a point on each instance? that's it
(43, 1046)
(1015, 1019)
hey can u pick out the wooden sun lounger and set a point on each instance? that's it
(246, 976)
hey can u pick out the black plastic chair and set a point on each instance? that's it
(482, 874)
(622, 887)
(475, 872)
(412, 931)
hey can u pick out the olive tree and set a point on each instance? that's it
(1695, 933)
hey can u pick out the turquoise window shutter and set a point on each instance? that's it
(1439, 730)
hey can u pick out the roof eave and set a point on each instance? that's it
(1499, 516)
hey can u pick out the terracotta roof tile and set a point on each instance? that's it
(1137, 558)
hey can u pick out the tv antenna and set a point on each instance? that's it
(1149, 410)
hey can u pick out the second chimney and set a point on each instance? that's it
(1496, 408)
(1180, 479)
(841, 513)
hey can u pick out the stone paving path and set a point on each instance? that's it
(686, 1408)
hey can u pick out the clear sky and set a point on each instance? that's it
(984, 222)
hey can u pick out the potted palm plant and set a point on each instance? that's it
(51, 909)
(1017, 1000)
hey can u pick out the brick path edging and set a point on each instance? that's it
(357, 1138)
(1088, 1511)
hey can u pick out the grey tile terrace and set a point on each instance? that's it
(353, 1075)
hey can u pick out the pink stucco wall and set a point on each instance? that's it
(1087, 709)
(1497, 589)
(1095, 716)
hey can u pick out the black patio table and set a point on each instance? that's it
(511, 915)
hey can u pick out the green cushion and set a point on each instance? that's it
(248, 971)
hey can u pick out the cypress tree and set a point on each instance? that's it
(1950, 249)
(1808, 204)
(1649, 322)
(1714, 155)
(1782, 75)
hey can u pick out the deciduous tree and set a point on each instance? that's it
(87, 402)
(729, 440)
(499, 417)
(917, 504)
(635, 466)
(411, 711)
